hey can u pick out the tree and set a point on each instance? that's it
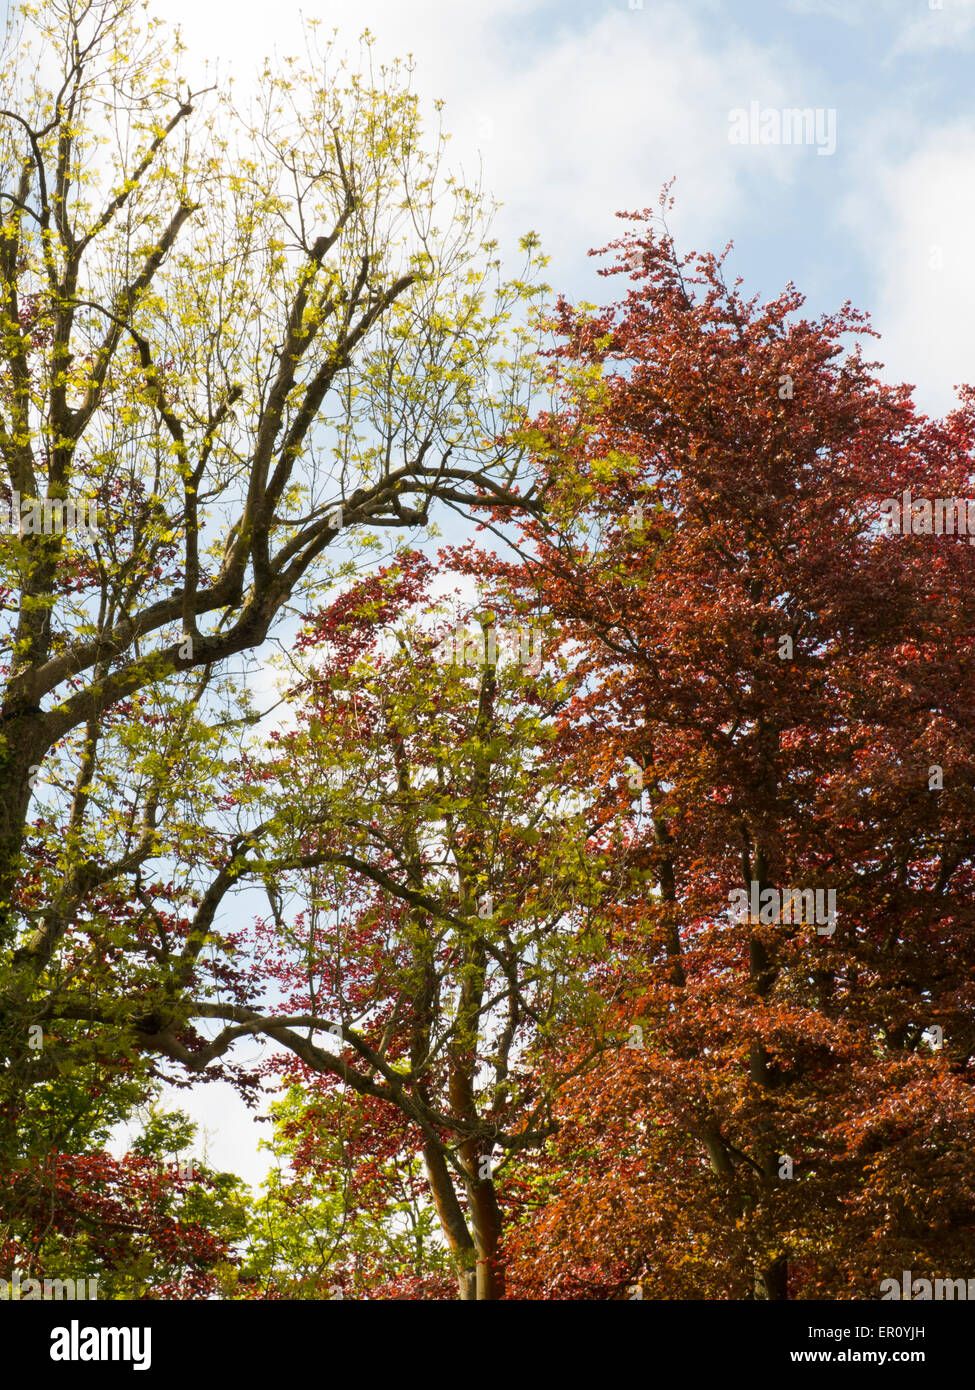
(241, 338)
(436, 896)
(333, 1223)
(784, 688)
(153, 1224)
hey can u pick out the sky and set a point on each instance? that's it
(582, 108)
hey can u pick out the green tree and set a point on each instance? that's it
(329, 1226)
(245, 338)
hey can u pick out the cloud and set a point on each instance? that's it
(915, 217)
(949, 25)
(934, 24)
(847, 11)
(572, 117)
(227, 1133)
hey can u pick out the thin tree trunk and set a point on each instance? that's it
(486, 1220)
(772, 1282)
(459, 1239)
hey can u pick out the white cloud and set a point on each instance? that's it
(948, 25)
(227, 1135)
(930, 25)
(916, 217)
(569, 129)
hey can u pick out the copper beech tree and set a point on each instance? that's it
(784, 688)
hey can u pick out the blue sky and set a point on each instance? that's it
(578, 108)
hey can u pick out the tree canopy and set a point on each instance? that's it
(602, 901)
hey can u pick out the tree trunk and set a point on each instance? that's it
(772, 1282)
(486, 1218)
(25, 745)
(452, 1222)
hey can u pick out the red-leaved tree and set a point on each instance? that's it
(784, 687)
